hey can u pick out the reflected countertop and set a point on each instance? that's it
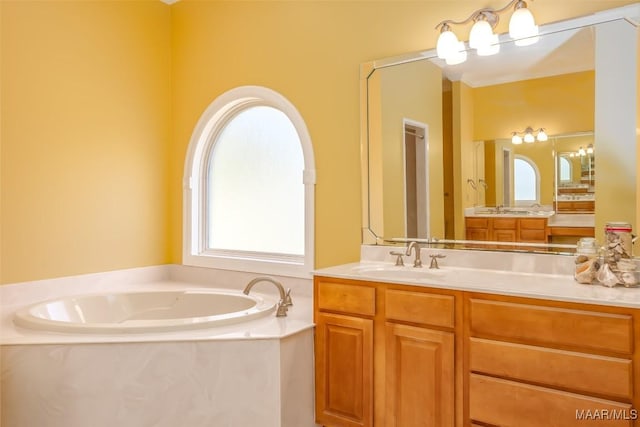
(510, 212)
(572, 220)
(554, 219)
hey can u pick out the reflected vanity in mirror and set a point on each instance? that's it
(439, 161)
(575, 178)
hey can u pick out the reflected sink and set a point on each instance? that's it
(513, 212)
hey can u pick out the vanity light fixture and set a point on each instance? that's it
(529, 135)
(581, 152)
(590, 149)
(522, 29)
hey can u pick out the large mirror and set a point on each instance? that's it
(438, 147)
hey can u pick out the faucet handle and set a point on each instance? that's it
(281, 310)
(399, 259)
(287, 299)
(434, 260)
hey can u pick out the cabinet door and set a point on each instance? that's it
(344, 370)
(477, 228)
(419, 377)
(504, 235)
(477, 234)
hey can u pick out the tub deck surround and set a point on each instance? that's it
(258, 372)
(159, 278)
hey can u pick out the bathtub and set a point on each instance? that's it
(165, 346)
(140, 312)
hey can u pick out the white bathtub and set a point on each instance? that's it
(140, 312)
(224, 372)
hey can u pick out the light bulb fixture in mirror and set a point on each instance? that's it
(529, 135)
(522, 29)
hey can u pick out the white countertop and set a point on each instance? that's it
(522, 275)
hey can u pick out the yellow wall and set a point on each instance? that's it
(412, 92)
(561, 104)
(463, 154)
(99, 99)
(85, 137)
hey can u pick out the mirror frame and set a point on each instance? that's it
(629, 13)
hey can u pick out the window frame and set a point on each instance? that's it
(534, 166)
(209, 126)
(563, 157)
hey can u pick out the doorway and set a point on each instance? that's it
(507, 176)
(416, 179)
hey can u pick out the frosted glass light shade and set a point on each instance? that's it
(542, 136)
(528, 137)
(492, 48)
(522, 27)
(481, 35)
(447, 45)
(459, 56)
(516, 139)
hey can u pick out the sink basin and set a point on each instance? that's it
(391, 272)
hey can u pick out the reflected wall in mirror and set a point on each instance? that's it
(575, 179)
(469, 112)
(572, 177)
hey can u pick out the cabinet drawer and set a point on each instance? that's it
(419, 307)
(508, 403)
(477, 222)
(552, 326)
(533, 223)
(347, 298)
(533, 235)
(505, 223)
(580, 372)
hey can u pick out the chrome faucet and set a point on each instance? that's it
(414, 245)
(285, 297)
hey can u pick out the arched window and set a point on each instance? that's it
(526, 181)
(249, 185)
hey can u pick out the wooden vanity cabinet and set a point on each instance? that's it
(542, 363)
(405, 356)
(506, 229)
(343, 314)
(385, 355)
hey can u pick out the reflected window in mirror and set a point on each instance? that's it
(526, 181)
(565, 169)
